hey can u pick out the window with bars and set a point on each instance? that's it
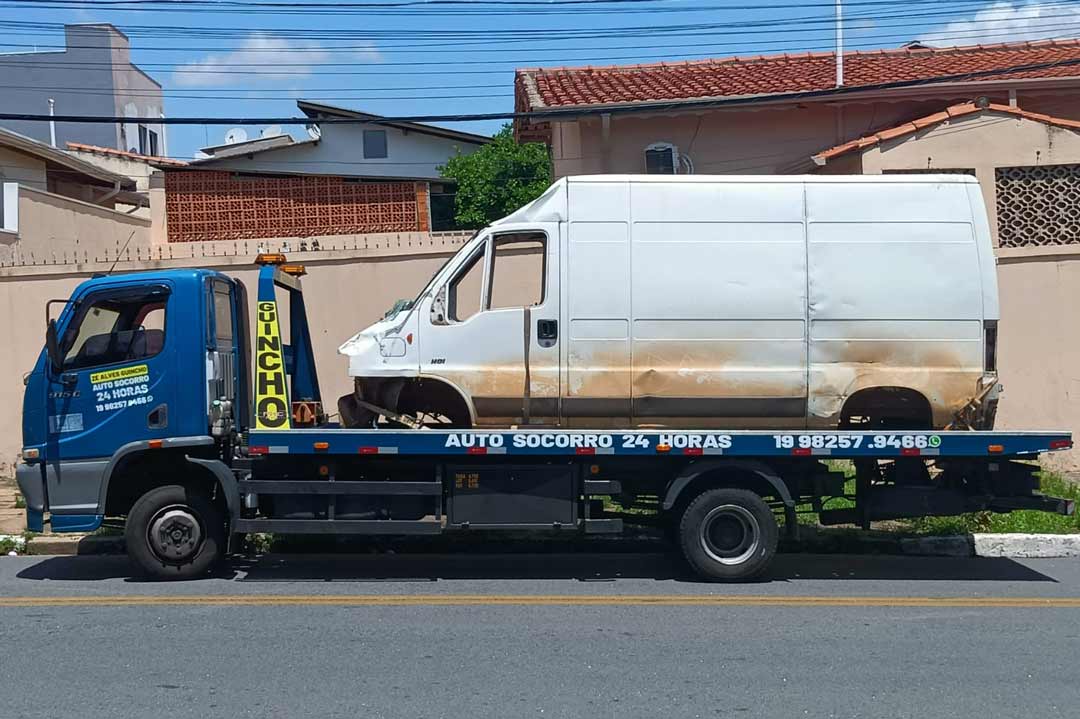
(1038, 206)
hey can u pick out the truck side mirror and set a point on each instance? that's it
(52, 346)
(438, 306)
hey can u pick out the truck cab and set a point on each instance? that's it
(136, 367)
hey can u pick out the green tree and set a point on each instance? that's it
(497, 179)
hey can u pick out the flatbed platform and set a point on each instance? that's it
(645, 443)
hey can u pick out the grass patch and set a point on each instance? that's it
(8, 544)
(20, 501)
(1022, 520)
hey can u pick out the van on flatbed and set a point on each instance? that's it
(153, 403)
(770, 302)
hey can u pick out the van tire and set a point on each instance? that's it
(728, 535)
(175, 532)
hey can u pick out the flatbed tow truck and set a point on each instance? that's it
(141, 406)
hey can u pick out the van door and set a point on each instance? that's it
(498, 341)
(113, 387)
(719, 303)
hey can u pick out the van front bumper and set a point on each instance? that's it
(31, 481)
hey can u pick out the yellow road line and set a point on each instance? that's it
(569, 600)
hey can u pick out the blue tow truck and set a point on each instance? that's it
(155, 402)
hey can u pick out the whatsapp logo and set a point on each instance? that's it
(935, 441)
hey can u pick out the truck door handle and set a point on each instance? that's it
(69, 378)
(547, 330)
(158, 417)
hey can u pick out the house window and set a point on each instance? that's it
(374, 144)
(144, 140)
(153, 142)
(661, 158)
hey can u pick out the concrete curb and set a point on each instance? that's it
(1026, 546)
(72, 544)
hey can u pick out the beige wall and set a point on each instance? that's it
(1038, 345)
(55, 229)
(22, 168)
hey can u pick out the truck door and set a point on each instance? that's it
(221, 355)
(113, 386)
(499, 340)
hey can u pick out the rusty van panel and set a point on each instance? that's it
(946, 370)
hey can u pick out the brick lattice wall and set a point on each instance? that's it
(215, 205)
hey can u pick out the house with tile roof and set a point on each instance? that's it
(1009, 114)
(768, 114)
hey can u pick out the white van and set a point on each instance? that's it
(697, 301)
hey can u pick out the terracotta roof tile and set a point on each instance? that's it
(765, 74)
(908, 128)
(150, 159)
(899, 131)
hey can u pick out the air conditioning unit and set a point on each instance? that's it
(661, 158)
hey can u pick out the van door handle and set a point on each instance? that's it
(69, 378)
(547, 331)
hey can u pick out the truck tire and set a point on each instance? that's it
(175, 532)
(728, 534)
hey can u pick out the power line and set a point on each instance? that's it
(555, 113)
(306, 71)
(487, 42)
(460, 8)
(488, 34)
(1070, 28)
(306, 96)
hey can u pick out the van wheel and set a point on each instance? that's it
(175, 532)
(728, 534)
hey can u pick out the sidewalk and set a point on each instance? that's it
(12, 520)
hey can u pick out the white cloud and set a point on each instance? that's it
(257, 58)
(1011, 22)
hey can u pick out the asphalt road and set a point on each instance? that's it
(582, 635)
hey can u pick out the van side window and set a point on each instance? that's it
(464, 299)
(116, 329)
(518, 270)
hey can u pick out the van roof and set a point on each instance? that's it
(817, 179)
(551, 205)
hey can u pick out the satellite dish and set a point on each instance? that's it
(235, 135)
(272, 131)
(314, 132)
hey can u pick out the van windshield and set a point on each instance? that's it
(461, 251)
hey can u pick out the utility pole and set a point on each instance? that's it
(839, 43)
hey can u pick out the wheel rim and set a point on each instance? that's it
(174, 534)
(730, 534)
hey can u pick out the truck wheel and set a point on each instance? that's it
(728, 534)
(175, 532)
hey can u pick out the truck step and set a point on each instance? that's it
(385, 489)
(338, 526)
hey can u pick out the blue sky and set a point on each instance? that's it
(440, 59)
